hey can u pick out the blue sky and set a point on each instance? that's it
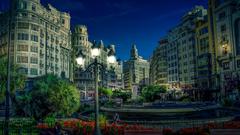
(124, 22)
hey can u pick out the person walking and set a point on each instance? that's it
(116, 118)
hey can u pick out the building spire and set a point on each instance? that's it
(134, 52)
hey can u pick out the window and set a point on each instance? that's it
(12, 36)
(23, 48)
(223, 28)
(203, 31)
(24, 14)
(22, 59)
(23, 36)
(24, 5)
(34, 60)
(238, 63)
(34, 38)
(34, 27)
(34, 49)
(33, 71)
(63, 21)
(222, 16)
(33, 7)
(226, 65)
(22, 25)
(23, 70)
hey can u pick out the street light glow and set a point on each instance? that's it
(95, 52)
(80, 61)
(111, 59)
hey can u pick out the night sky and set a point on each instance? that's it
(124, 22)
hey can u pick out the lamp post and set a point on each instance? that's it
(96, 66)
(7, 101)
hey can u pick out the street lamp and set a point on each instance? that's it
(96, 66)
(7, 101)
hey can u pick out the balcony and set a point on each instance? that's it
(56, 50)
(41, 65)
(41, 44)
(56, 60)
(41, 55)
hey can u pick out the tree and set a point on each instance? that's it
(152, 92)
(124, 95)
(106, 92)
(17, 79)
(50, 96)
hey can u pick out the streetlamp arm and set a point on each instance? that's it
(94, 64)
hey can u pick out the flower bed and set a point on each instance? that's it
(87, 128)
(204, 130)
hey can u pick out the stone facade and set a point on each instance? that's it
(226, 27)
(40, 38)
(159, 64)
(110, 78)
(135, 70)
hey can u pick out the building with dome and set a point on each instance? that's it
(39, 38)
(111, 78)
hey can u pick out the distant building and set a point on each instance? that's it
(187, 48)
(40, 39)
(159, 65)
(182, 64)
(111, 78)
(135, 70)
(172, 58)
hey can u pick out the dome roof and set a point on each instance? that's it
(81, 29)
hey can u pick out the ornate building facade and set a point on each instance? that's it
(110, 78)
(39, 38)
(226, 26)
(135, 70)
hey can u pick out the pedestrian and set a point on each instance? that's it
(57, 128)
(116, 118)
